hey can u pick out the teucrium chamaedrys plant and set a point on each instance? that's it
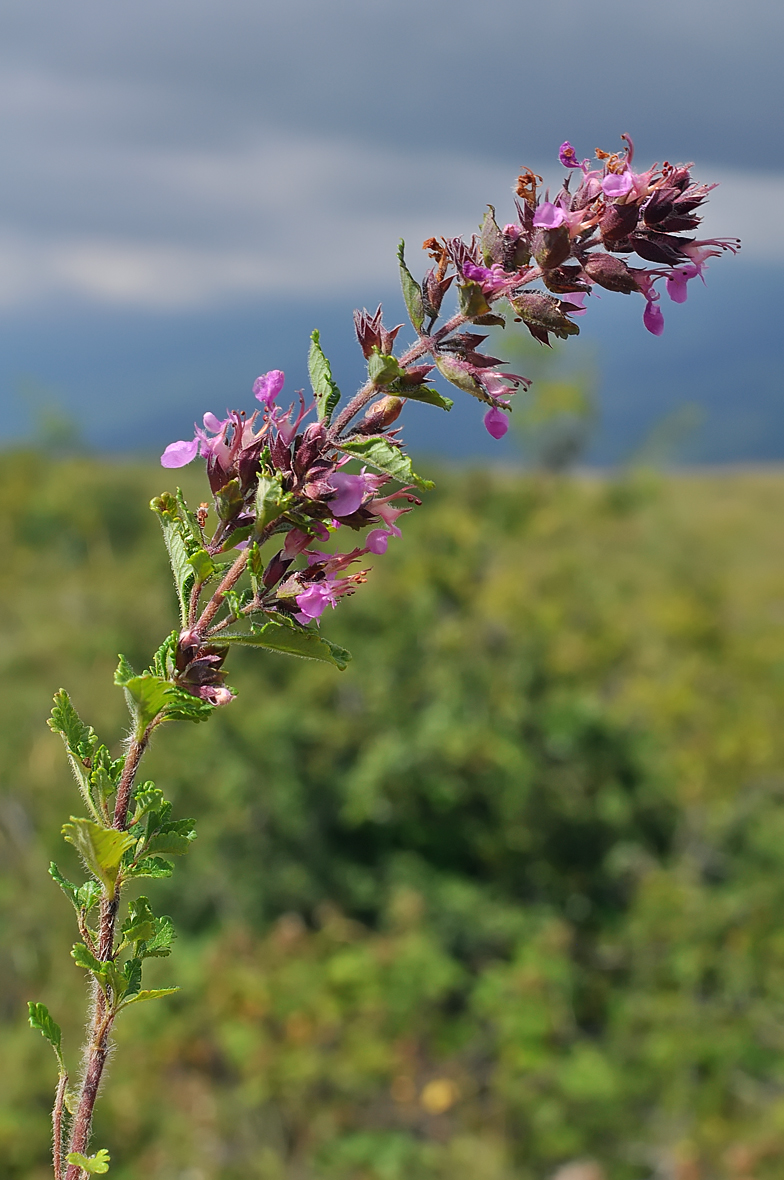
(250, 568)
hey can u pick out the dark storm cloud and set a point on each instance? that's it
(505, 79)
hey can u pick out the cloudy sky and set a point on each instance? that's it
(174, 169)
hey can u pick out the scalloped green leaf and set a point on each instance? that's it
(279, 634)
(412, 292)
(380, 453)
(101, 849)
(325, 390)
(96, 1164)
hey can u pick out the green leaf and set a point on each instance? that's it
(203, 565)
(152, 994)
(38, 1015)
(96, 1164)
(422, 393)
(84, 958)
(132, 972)
(383, 369)
(172, 843)
(147, 797)
(82, 897)
(140, 923)
(80, 744)
(325, 390)
(379, 452)
(283, 635)
(472, 299)
(179, 541)
(271, 502)
(412, 292)
(100, 848)
(150, 696)
(149, 866)
(491, 240)
(79, 738)
(229, 501)
(160, 944)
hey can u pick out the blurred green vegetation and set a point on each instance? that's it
(508, 892)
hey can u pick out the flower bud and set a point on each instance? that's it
(542, 314)
(551, 246)
(618, 221)
(611, 273)
(382, 413)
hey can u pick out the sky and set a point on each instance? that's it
(190, 186)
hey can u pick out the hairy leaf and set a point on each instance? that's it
(325, 390)
(383, 369)
(159, 945)
(132, 971)
(412, 292)
(271, 502)
(472, 300)
(378, 452)
(149, 866)
(81, 896)
(422, 393)
(100, 848)
(179, 541)
(38, 1015)
(150, 696)
(80, 743)
(279, 634)
(202, 564)
(96, 1164)
(140, 923)
(150, 994)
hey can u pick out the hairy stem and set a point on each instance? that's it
(57, 1126)
(96, 1050)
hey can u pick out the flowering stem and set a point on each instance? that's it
(425, 345)
(215, 603)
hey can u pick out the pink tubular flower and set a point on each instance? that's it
(652, 318)
(179, 454)
(313, 600)
(677, 282)
(496, 422)
(378, 539)
(267, 387)
(492, 278)
(351, 491)
(568, 157)
(617, 184)
(549, 216)
(575, 302)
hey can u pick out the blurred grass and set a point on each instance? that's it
(505, 893)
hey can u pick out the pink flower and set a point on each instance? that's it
(267, 387)
(313, 600)
(677, 282)
(549, 216)
(617, 184)
(351, 491)
(496, 422)
(568, 157)
(653, 318)
(377, 540)
(575, 302)
(179, 454)
(491, 278)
